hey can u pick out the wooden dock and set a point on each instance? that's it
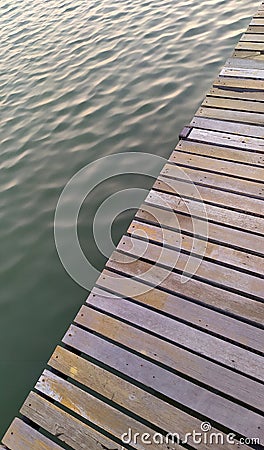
(152, 354)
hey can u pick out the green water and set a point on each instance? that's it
(80, 80)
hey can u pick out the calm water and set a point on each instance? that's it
(80, 80)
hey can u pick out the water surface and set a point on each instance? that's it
(80, 80)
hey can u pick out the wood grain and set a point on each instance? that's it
(65, 427)
(232, 93)
(215, 233)
(127, 395)
(208, 212)
(216, 252)
(235, 105)
(227, 140)
(96, 411)
(165, 383)
(240, 83)
(210, 296)
(226, 126)
(223, 153)
(21, 436)
(224, 167)
(229, 114)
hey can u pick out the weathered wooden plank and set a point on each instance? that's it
(65, 427)
(253, 55)
(210, 195)
(206, 211)
(223, 181)
(232, 93)
(238, 105)
(255, 29)
(225, 167)
(179, 308)
(259, 14)
(258, 46)
(214, 252)
(228, 114)
(239, 83)
(224, 153)
(211, 296)
(96, 411)
(258, 21)
(226, 126)
(198, 369)
(129, 396)
(164, 327)
(21, 436)
(227, 140)
(238, 239)
(252, 37)
(243, 64)
(238, 72)
(207, 271)
(166, 383)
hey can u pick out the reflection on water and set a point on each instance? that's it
(80, 80)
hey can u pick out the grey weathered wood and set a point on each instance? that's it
(252, 37)
(214, 179)
(165, 327)
(65, 427)
(172, 386)
(246, 284)
(212, 251)
(21, 436)
(227, 127)
(243, 64)
(227, 139)
(196, 368)
(129, 396)
(211, 195)
(255, 74)
(209, 212)
(211, 296)
(181, 309)
(225, 167)
(241, 83)
(241, 94)
(217, 152)
(216, 232)
(234, 104)
(229, 114)
(252, 54)
(94, 410)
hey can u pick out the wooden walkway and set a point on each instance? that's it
(148, 352)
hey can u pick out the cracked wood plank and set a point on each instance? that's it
(65, 427)
(21, 436)
(96, 411)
